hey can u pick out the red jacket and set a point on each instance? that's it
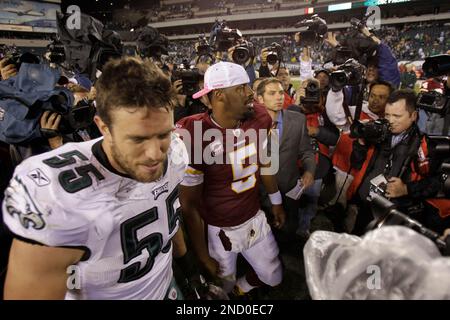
(343, 150)
(418, 171)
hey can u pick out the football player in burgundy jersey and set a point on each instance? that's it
(219, 192)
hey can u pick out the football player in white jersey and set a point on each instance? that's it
(99, 219)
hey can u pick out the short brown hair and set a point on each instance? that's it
(408, 95)
(131, 82)
(263, 84)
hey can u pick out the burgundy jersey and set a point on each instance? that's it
(227, 162)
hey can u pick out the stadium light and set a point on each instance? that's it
(340, 6)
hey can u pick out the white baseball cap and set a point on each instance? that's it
(223, 75)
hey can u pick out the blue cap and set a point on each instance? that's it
(83, 81)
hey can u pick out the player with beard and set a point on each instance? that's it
(220, 198)
(97, 219)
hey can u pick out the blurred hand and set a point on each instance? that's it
(446, 234)
(50, 121)
(264, 54)
(297, 38)
(307, 179)
(178, 85)
(396, 188)
(211, 266)
(7, 70)
(279, 216)
(312, 131)
(331, 39)
(301, 93)
(181, 98)
(365, 32)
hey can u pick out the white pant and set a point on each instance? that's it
(262, 254)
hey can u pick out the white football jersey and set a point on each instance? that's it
(71, 197)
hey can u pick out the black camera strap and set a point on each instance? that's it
(359, 102)
(414, 145)
(347, 112)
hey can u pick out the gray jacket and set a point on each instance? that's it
(295, 144)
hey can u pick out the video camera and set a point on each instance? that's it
(150, 43)
(351, 73)
(88, 48)
(373, 132)
(223, 38)
(243, 52)
(355, 45)
(360, 24)
(385, 213)
(315, 32)
(75, 118)
(275, 53)
(203, 48)
(441, 147)
(436, 66)
(190, 77)
(434, 102)
(312, 94)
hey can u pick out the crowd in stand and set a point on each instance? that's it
(409, 42)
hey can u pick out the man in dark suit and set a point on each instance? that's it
(294, 145)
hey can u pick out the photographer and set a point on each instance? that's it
(190, 81)
(381, 64)
(378, 94)
(399, 161)
(387, 67)
(274, 69)
(229, 45)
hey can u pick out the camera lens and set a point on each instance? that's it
(338, 80)
(312, 87)
(240, 55)
(272, 58)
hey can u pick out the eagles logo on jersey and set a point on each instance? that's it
(24, 207)
(124, 226)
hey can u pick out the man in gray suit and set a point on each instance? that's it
(294, 144)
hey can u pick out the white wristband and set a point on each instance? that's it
(275, 198)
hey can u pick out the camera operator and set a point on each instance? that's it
(399, 162)
(386, 67)
(274, 69)
(378, 96)
(381, 65)
(229, 45)
(191, 81)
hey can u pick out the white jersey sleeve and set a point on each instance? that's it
(40, 203)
